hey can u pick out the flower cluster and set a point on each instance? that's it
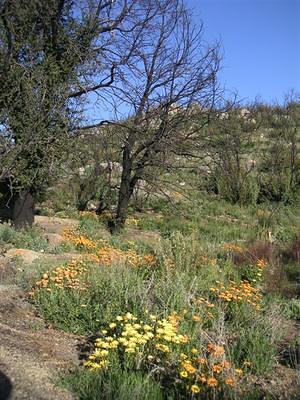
(208, 261)
(79, 241)
(239, 293)
(89, 214)
(158, 346)
(233, 248)
(109, 255)
(132, 337)
(105, 254)
(208, 370)
(132, 221)
(65, 276)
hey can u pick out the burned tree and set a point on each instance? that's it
(168, 91)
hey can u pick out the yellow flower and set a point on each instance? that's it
(130, 350)
(239, 371)
(128, 316)
(195, 389)
(196, 318)
(147, 328)
(162, 347)
(183, 374)
(194, 351)
(112, 325)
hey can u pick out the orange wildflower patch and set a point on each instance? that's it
(79, 241)
(240, 293)
(233, 248)
(62, 277)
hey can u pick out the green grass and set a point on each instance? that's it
(26, 239)
(115, 385)
(190, 258)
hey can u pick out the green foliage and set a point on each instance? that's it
(255, 345)
(26, 239)
(115, 385)
(242, 190)
(291, 309)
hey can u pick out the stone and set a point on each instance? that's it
(53, 239)
(26, 256)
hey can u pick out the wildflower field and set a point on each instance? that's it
(203, 312)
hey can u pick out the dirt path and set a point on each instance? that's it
(30, 354)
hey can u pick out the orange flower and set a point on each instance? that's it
(212, 382)
(215, 349)
(201, 360)
(229, 381)
(225, 364)
(217, 368)
(189, 368)
(202, 378)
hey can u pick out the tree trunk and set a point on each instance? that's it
(123, 202)
(19, 208)
(125, 193)
(23, 210)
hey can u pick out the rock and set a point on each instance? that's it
(7, 270)
(53, 239)
(91, 206)
(27, 256)
(54, 224)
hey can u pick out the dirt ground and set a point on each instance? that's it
(31, 354)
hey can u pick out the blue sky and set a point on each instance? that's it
(261, 44)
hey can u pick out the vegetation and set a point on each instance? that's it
(184, 277)
(194, 315)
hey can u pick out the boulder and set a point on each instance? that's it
(53, 239)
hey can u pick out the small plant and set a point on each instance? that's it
(157, 347)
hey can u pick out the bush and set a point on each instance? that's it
(241, 190)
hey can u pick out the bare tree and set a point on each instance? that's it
(168, 91)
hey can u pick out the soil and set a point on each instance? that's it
(31, 354)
